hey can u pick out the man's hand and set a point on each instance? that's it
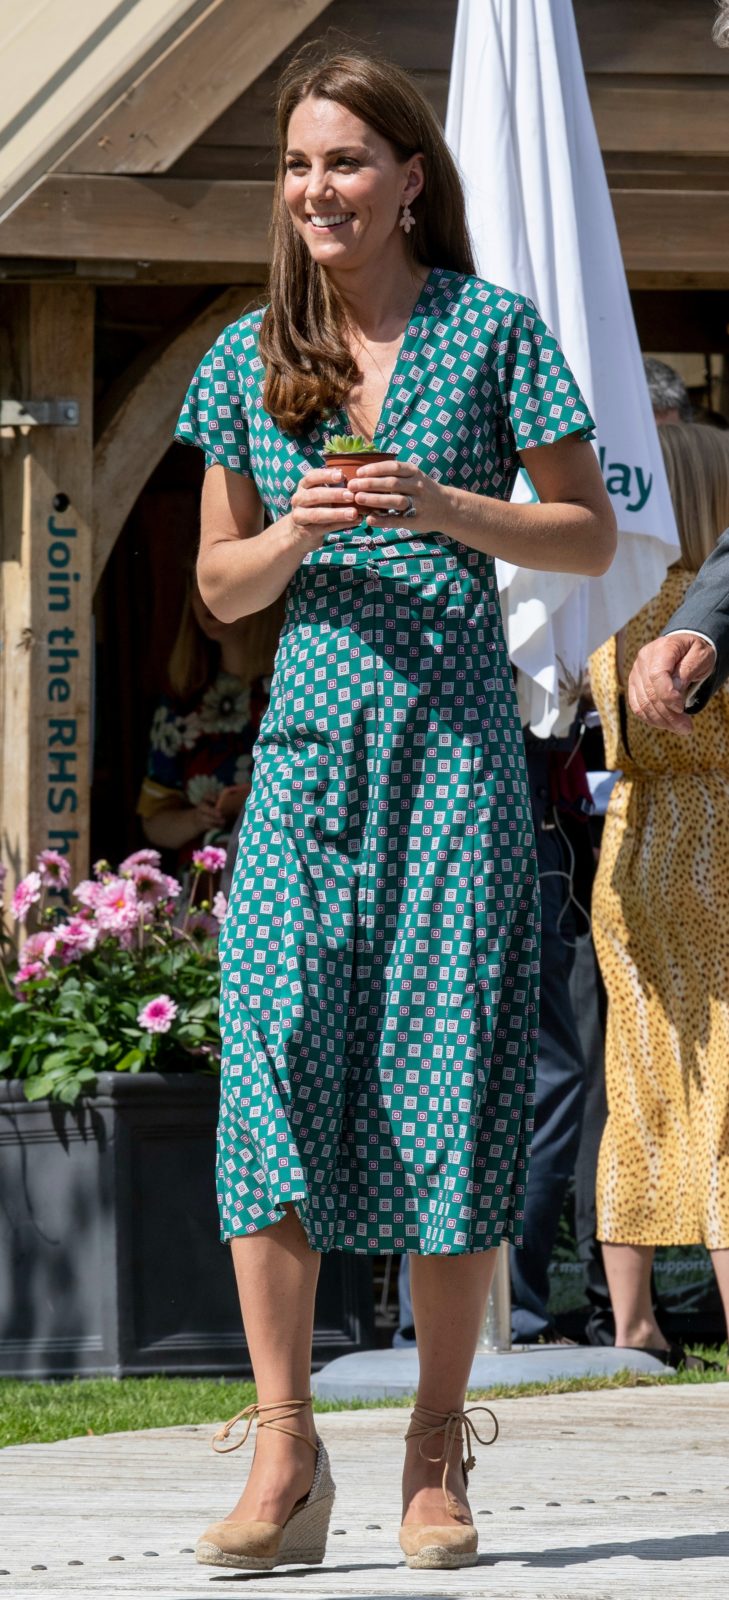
(664, 672)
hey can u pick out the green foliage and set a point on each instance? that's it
(81, 1019)
(344, 444)
(35, 1413)
(32, 1412)
(75, 997)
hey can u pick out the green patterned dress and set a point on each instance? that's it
(380, 955)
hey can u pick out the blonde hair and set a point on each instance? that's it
(697, 466)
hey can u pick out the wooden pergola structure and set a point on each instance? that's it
(144, 185)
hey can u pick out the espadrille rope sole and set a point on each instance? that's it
(303, 1543)
(437, 1557)
(303, 1537)
(448, 1426)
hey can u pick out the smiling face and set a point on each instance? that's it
(344, 186)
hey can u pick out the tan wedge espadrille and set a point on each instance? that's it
(451, 1544)
(263, 1545)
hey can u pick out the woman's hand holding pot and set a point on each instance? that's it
(392, 493)
(321, 504)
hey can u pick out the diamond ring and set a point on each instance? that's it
(410, 510)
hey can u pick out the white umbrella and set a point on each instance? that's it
(520, 126)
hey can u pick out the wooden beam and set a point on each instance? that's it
(676, 116)
(45, 588)
(639, 279)
(190, 85)
(104, 273)
(141, 429)
(172, 219)
(64, 95)
(141, 219)
(651, 36)
(669, 230)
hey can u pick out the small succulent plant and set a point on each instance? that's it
(344, 444)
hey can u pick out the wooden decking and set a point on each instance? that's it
(585, 1497)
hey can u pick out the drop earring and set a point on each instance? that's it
(407, 220)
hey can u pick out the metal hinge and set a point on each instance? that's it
(39, 413)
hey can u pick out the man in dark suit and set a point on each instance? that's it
(675, 675)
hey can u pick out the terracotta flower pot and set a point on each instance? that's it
(348, 462)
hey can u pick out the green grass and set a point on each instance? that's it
(34, 1413)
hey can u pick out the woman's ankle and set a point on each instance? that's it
(277, 1418)
(640, 1334)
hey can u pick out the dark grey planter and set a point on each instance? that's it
(110, 1260)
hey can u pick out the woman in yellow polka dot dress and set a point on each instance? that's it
(662, 940)
(380, 953)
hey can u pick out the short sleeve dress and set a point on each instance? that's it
(380, 956)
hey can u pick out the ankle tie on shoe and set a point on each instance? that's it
(424, 1424)
(252, 1413)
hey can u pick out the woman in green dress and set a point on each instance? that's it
(380, 954)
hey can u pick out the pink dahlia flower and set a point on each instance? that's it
(34, 948)
(118, 906)
(51, 945)
(26, 895)
(139, 858)
(158, 1015)
(31, 969)
(199, 925)
(75, 937)
(220, 906)
(210, 859)
(54, 869)
(151, 884)
(88, 893)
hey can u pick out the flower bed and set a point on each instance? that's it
(109, 1249)
(114, 974)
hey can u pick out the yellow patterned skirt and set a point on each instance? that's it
(661, 920)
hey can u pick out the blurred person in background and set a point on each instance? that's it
(670, 403)
(570, 1097)
(560, 803)
(205, 725)
(720, 32)
(668, 392)
(663, 1173)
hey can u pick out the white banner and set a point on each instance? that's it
(520, 126)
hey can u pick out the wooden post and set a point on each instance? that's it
(45, 593)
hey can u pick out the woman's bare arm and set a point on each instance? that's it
(572, 529)
(242, 566)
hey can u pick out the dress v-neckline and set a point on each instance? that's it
(395, 374)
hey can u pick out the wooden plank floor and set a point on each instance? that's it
(585, 1497)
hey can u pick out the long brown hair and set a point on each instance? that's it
(194, 661)
(309, 369)
(697, 466)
